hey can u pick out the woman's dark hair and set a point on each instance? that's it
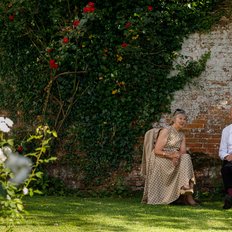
(179, 111)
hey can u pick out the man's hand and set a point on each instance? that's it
(228, 157)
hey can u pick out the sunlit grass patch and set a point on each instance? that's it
(70, 214)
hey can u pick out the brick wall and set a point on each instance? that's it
(209, 98)
(207, 101)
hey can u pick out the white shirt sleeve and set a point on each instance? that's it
(223, 149)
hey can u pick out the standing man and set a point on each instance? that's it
(225, 154)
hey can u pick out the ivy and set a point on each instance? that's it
(97, 72)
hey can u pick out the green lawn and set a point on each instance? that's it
(70, 214)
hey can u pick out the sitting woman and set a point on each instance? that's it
(170, 175)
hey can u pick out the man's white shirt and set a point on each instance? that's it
(226, 142)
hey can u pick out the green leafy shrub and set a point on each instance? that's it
(15, 184)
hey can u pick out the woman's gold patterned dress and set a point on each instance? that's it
(163, 180)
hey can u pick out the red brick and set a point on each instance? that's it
(195, 125)
(213, 140)
(202, 135)
(197, 149)
(193, 140)
(195, 145)
(199, 121)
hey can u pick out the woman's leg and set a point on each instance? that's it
(190, 200)
(188, 194)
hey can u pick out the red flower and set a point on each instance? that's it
(124, 45)
(11, 18)
(76, 23)
(91, 4)
(128, 24)
(20, 149)
(65, 40)
(150, 8)
(49, 50)
(89, 8)
(53, 64)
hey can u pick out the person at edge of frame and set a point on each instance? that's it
(225, 154)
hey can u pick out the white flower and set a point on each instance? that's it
(5, 124)
(25, 191)
(9, 122)
(2, 156)
(19, 165)
(7, 151)
(4, 127)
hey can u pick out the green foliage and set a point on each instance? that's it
(51, 186)
(100, 75)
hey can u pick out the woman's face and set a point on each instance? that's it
(180, 121)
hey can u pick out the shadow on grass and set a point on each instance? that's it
(110, 214)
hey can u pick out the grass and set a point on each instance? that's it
(71, 214)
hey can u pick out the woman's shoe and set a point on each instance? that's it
(184, 190)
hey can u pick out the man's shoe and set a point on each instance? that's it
(227, 202)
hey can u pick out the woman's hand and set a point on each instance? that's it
(176, 158)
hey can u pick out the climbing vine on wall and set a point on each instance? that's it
(97, 72)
